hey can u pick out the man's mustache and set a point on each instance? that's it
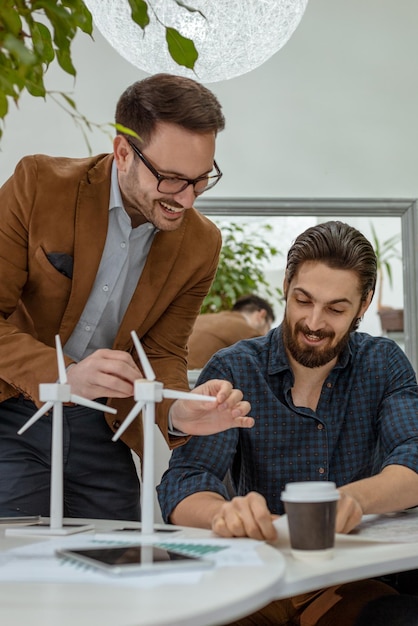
(319, 334)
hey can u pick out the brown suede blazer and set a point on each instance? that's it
(60, 205)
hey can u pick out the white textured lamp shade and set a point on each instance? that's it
(233, 37)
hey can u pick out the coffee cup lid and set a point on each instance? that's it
(310, 491)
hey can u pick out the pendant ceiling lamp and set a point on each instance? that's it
(232, 37)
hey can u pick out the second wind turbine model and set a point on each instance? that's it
(148, 391)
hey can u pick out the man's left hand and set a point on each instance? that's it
(206, 418)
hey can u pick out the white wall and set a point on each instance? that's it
(331, 114)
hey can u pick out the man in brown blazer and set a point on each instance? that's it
(91, 249)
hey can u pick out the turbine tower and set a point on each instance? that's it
(148, 391)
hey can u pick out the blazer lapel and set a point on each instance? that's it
(91, 222)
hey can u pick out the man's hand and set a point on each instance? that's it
(349, 513)
(206, 418)
(103, 374)
(246, 516)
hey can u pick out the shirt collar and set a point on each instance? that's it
(115, 199)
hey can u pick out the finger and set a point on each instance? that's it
(228, 397)
(235, 523)
(263, 516)
(249, 516)
(241, 409)
(113, 386)
(121, 368)
(220, 527)
(349, 514)
(243, 422)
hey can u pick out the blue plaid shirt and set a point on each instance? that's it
(366, 418)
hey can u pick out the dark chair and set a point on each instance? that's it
(397, 610)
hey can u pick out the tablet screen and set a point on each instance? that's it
(134, 559)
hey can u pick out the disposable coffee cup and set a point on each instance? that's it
(311, 508)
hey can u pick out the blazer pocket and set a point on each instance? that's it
(44, 272)
(62, 262)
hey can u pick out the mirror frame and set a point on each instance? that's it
(337, 208)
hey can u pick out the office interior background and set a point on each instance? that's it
(333, 114)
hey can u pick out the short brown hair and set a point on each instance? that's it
(339, 246)
(168, 98)
(251, 303)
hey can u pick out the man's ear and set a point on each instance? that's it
(262, 313)
(366, 303)
(285, 288)
(122, 152)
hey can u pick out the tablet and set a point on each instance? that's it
(135, 559)
(21, 519)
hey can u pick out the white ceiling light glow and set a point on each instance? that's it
(232, 37)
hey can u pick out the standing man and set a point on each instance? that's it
(329, 403)
(92, 249)
(250, 316)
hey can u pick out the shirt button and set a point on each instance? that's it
(87, 328)
(116, 424)
(329, 385)
(320, 426)
(123, 244)
(321, 470)
(105, 287)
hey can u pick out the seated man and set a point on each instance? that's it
(329, 403)
(251, 316)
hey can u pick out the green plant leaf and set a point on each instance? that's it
(35, 82)
(4, 105)
(139, 12)
(181, 49)
(80, 15)
(42, 42)
(65, 61)
(10, 19)
(68, 100)
(126, 131)
(18, 50)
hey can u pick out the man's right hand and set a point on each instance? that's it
(246, 516)
(104, 374)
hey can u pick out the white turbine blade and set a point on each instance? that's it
(44, 409)
(128, 419)
(186, 395)
(62, 373)
(146, 365)
(91, 404)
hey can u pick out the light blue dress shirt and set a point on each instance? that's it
(124, 255)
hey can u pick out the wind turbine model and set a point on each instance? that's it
(148, 391)
(54, 394)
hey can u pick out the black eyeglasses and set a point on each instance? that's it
(171, 184)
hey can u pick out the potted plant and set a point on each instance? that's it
(391, 319)
(241, 269)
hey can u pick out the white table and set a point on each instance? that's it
(221, 595)
(354, 559)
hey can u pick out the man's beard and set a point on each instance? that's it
(311, 356)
